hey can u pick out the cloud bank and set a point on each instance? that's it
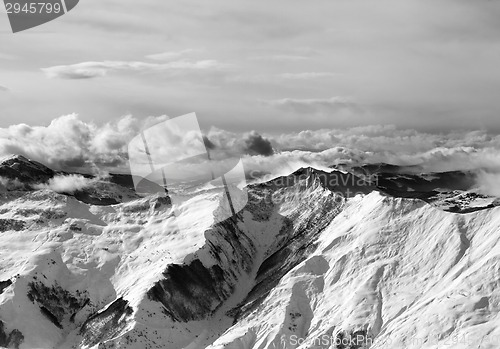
(69, 143)
(489, 183)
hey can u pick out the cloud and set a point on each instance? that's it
(279, 58)
(72, 144)
(255, 144)
(89, 70)
(455, 159)
(275, 79)
(488, 183)
(169, 55)
(66, 184)
(315, 106)
(416, 71)
(306, 76)
(3, 89)
(230, 144)
(459, 150)
(11, 184)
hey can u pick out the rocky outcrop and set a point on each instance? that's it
(4, 285)
(193, 291)
(106, 323)
(12, 339)
(11, 224)
(352, 340)
(56, 304)
(24, 170)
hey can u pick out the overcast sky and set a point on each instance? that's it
(269, 66)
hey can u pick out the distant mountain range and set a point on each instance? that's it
(451, 191)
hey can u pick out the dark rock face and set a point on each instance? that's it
(4, 285)
(91, 198)
(345, 184)
(103, 193)
(352, 340)
(162, 201)
(125, 180)
(189, 292)
(106, 324)
(57, 304)
(192, 291)
(25, 170)
(11, 224)
(451, 191)
(128, 181)
(11, 340)
(411, 181)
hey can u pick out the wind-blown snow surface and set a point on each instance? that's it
(300, 266)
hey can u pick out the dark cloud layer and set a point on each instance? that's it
(255, 144)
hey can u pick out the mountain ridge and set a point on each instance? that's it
(302, 260)
(452, 191)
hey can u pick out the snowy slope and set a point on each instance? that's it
(95, 253)
(314, 256)
(398, 273)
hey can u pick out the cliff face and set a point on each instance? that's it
(314, 258)
(193, 291)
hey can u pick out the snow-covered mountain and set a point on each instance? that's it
(23, 170)
(454, 191)
(315, 260)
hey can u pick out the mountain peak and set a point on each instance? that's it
(340, 182)
(21, 159)
(14, 157)
(26, 170)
